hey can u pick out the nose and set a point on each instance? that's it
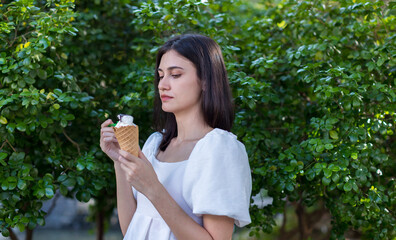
(164, 84)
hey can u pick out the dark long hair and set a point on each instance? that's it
(216, 99)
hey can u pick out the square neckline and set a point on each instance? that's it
(155, 153)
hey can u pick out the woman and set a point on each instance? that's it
(192, 179)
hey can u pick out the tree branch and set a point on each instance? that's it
(6, 141)
(73, 142)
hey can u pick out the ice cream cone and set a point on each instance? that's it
(128, 138)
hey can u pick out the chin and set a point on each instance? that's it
(167, 109)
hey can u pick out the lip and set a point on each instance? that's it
(165, 97)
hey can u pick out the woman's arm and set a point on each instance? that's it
(183, 226)
(126, 202)
(140, 174)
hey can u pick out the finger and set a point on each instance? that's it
(142, 156)
(106, 123)
(126, 162)
(106, 130)
(108, 134)
(128, 156)
(110, 139)
(126, 170)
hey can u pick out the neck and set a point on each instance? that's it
(191, 126)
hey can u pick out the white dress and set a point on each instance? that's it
(214, 180)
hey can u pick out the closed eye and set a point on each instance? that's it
(176, 75)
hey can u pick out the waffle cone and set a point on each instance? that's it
(128, 138)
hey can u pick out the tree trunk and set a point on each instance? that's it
(29, 234)
(302, 223)
(100, 225)
(12, 234)
(282, 231)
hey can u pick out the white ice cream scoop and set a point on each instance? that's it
(125, 120)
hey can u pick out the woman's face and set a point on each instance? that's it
(179, 86)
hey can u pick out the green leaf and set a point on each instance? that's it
(354, 155)
(3, 155)
(5, 232)
(289, 187)
(83, 196)
(63, 123)
(3, 120)
(62, 178)
(69, 117)
(353, 137)
(329, 146)
(22, 184)
(21, 126)
(289, 168)
(40, 193)
(327, 172)
(63, 190)
(40, 221)
(69, 182)
(326, 181)
(355, 187)
(317, 168)
(380, 62)
(12, 183)
(42, 74)
(4, 185)
(334, 134)
(335, 177)
(310, 175)
(58, 91)
(21, 227)
(43, 124)
(356, 103)
(320, 148)
(348, 186)
(49, 193)
(80, 167)
(335, 168)
(11, 127)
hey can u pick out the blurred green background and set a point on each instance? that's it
(313, 85)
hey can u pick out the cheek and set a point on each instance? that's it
(192, 92)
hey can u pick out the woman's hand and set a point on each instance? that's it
(139, 173)
(108, 141)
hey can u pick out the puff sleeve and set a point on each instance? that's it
(217, 179)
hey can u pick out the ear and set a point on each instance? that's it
(203, 86)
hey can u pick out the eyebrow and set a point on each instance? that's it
(171, 68)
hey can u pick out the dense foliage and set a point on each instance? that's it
(313, 82)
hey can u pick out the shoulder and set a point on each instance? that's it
(219, 140)
(219, 148)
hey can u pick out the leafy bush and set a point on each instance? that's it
(47, 144)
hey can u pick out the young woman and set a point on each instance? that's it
(192, 179)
